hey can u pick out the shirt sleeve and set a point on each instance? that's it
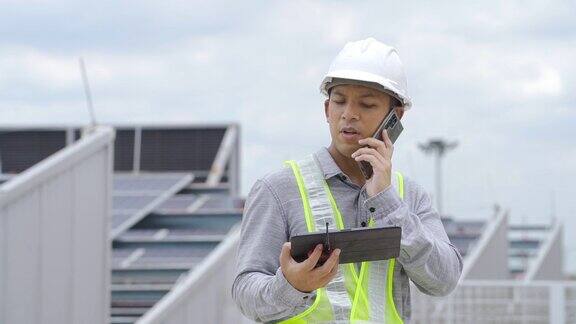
(427, 255)
(260, 289)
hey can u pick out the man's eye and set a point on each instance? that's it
(338, 101)
(368, 106)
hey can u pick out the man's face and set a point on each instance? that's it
(354, 112)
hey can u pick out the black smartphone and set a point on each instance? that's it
(391, 123)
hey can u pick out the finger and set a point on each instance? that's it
(332, 273)
(285, 257)
(365, 150)
(387, 139)
(372, 159)
(328, 266)
(310, 263)
(374, 143)
(389, 145)
(372, 152)
(370, 141)
(324, 281)
(385, 147)
(329, 277)
(382, 156)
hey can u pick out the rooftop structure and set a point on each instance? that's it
(174, 198)
(166, 245)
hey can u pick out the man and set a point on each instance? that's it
(364, 83)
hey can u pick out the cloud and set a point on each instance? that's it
(546, 82)
(496, 76)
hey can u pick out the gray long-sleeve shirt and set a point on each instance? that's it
(273, 213)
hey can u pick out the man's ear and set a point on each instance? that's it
(326, 102)
(399, 111)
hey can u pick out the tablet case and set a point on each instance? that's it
(356, 244)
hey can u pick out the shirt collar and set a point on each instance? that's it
(327, 163)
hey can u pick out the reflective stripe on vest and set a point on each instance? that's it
(349, 297)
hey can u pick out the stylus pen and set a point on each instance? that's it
(327, 237)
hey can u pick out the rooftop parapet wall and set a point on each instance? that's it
(489, 257)
(54, 246)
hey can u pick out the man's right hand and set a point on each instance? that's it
(303, 275)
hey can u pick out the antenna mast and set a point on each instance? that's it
(87, 93)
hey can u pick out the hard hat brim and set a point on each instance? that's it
(387, 85)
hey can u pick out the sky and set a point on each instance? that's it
(498, 77)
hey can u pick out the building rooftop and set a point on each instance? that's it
(175, 199)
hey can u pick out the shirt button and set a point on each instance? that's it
(363, 224)
(344, 178)
(372, 209)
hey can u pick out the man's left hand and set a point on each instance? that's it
(379, 155)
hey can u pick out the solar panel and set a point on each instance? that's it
(21, 149)
(219, 202)
(124, 150)
(174, 256)
(188, 234)
(119, 217)
(163, 149)
(159, 257)
(152, 276)
(180, 149)
(147, 237)
(126, 202)
(136, 195)
(177, 204)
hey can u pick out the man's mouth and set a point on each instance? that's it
(350, 134)
(349, 130)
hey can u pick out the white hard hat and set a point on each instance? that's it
(372, 62)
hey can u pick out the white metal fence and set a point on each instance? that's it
(54, 246)
(497, 301)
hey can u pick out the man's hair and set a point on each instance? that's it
(394, 102)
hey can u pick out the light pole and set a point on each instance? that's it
(438, 147)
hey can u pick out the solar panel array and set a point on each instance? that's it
(162, 248)
(124, 150)
(136, 195)
(21, 149)
(165, 218)
(163, 149)
(180, 149)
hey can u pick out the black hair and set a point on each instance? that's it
(394, 102)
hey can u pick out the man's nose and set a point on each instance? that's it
(350, 112)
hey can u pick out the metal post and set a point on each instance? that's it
(439, 182)
(69, 136)
(137, 149)
(556, 304)
(438, 147)
(234, 167)
(87, 92)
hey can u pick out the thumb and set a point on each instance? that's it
(285, 256)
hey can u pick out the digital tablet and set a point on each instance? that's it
(356, 244)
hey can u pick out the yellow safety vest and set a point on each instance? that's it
(350, 297)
